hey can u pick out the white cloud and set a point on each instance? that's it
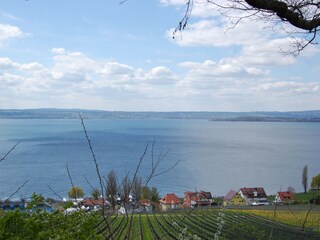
(6, 63)
(161, 75)
(260, 44)
(9, 80)
(73, 61)
(289, 87)
(8, 32)
(200, 8)
(114, 68)
(215, 33)
(58, 50)
(76, 80)
(210, 72)
(31, 66)
(267, 54)
(173, 2)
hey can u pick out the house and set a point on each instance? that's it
(254, 196)
(197, 199)
(42, 207)
(169, 201)
(284, 197)
(12, 205)
(146, 204)
(233, 199)
(91, 203)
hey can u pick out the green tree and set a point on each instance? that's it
(305, 178)
(36, 200)
(96, 193)
(76, 192)
(151, 194)
(315, 183)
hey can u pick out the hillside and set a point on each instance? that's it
(299, 116)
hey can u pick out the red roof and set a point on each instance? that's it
(254, 192)
(286, 196)
(201, 198)
(93, 202)
(144, 202)
(170, 198)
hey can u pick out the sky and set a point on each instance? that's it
(123, 57)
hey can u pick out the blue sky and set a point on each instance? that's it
(104, 55)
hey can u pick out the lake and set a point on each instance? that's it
(213, 156)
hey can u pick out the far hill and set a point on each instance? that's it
(51, 113)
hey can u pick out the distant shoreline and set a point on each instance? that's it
(51, 113)
(265, 119)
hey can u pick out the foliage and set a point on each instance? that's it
(96, 193)
(191, 224)
(68, 204)
(151, 194)
(305, 198)
(36, 200)
(18, 225)
(315, 183)
(76, 192)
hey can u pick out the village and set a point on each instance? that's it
(255, 196)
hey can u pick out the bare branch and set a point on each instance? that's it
(69, 175)
(55, 193)
(303, 15)
(4, 157)
(14, 193)
(93, 155)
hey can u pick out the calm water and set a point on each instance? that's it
(214, 156)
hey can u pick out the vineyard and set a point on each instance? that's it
(187, 224)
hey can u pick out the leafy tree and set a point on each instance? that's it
(96, 193)
(36, 200)
(151, 194)
(305, 178)
(18, 225)
(315, 183)
(76, 192)
(303, 15)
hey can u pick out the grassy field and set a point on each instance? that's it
(217, 224)
(295, 218)
(211, 223)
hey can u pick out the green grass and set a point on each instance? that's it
(184, 224)
(304, 198)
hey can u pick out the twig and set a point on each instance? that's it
(92, 154)
(98, 173)
(55, 193)
(17, 190)
(89, 183)
(306, 217)
(69, 175)
(4, 157)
